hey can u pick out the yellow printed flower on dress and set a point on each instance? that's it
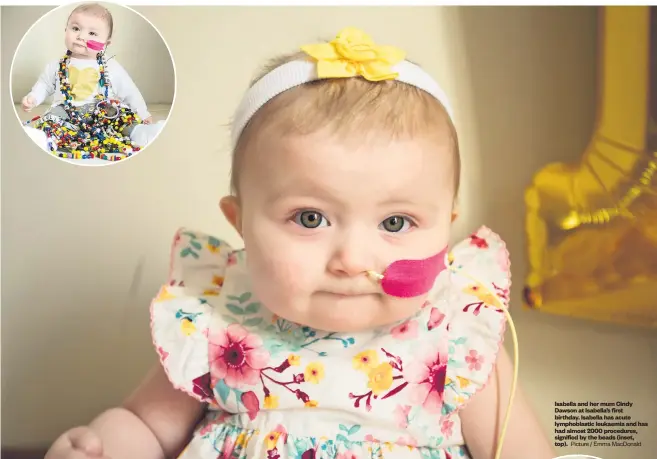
(463, 382)
(314, 373)
(271, 402)
(311, 403)
(218, 280)
(164, 295)
(294, 360)
(272, 439)
(366, 360)
(354, 53)
(380, 378)
(187, 327)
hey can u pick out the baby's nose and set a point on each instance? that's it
(352, 257)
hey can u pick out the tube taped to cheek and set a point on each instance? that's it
(95, 45)
(411, 278)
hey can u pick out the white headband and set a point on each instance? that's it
(299, 72)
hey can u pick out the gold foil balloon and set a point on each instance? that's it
(592, 227)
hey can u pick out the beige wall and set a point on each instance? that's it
(135, 43)
(86, 248)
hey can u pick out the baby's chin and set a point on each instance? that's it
(347, 315)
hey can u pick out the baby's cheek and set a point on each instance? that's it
(277, 274)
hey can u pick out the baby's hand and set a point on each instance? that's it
(28, 103)
(148, 120)
(77, 443)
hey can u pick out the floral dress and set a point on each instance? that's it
(279, 390)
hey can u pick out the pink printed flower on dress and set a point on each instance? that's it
(446, 427)
(426, 379)
(474, 360)
(236, 356)
(407, 330)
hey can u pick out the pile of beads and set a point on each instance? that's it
(92, 134)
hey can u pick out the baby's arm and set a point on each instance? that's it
(483, 416)
(45, 86)
(127, 91)
(155, 422)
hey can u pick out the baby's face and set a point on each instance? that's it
(317, 213)
(82, 27)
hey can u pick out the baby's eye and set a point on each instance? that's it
(75, 28)
(93, 34)
(310, 219)
(396, 224)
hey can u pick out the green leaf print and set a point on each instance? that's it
(342, 439)
(214, 242)
(461, 340)
(252, 322)
(197, 245)
(229, 319)
(353, 430)
(235, 309)
(245, 297)
(344, 428)
(454, 363)
(252, 308)
(223, 389)
(187, 251)
(233, 297)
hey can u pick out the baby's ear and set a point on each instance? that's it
(231, 209)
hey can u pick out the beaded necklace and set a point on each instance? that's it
(93, 134)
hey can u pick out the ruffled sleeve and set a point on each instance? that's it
(181, 314)
(478, 287)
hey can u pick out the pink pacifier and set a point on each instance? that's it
(411, 278)
(95, 45)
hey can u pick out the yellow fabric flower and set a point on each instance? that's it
(271, 402)
(314, 373)
(366, 360)
(311, 403)
(354, 53)
(380, 378)
(294, 360)
(463, 382)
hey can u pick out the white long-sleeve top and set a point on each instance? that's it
(83, 77)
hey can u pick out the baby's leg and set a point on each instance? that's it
(38, 136)
(143, 134)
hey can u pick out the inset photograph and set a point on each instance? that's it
(93, 83)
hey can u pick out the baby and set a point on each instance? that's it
(345, 328)
(97, 108)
